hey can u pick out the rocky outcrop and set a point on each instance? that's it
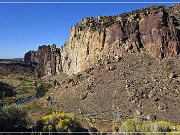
(174, 11)
(47, 58)
(6, 90)
(153, 30)
(29, 56)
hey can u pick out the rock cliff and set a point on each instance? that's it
(154, 30)
(47, 58)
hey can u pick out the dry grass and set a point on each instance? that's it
(36, 110)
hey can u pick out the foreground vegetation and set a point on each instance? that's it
(58, 122)
(15, 118)
(136, 125)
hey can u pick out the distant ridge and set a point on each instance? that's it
(14, 59)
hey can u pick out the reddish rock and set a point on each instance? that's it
(159, 34)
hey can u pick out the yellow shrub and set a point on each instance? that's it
(177, 128)
(161, 126)
(135, 125)
(45, 128)
(131, 125)
(59, 122)
(50, 128)
(146, 126)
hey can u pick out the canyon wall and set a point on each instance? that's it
(47, 60)
(154, 30)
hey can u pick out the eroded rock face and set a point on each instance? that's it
(174, 10)
(154, 30)
(48, 60)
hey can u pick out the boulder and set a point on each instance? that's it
(172, 75)
(151, 117)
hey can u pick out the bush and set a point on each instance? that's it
(58, 122)
(135, 125)
(177, 128)
(131, 125)
(13, 118)
(161, 126)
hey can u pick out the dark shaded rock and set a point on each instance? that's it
(172, 75)
(30, 56)
(93, 131)
(84, 95)
(6, 90)
(49, 98)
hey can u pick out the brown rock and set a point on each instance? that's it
(138, 113)
(111, 68)
(172, 75)
(151, 94)
(47, 59)
(151, 117)
(84, 95)
(127, 85)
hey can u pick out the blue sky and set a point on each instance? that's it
(24, 27)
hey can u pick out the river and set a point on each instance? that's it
(40, 93)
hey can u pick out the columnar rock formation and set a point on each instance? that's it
(48, 60)
(154, 30)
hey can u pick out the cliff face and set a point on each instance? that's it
(154, 30)
(174, 10)
(47, 58)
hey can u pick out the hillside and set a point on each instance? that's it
(114, 90)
